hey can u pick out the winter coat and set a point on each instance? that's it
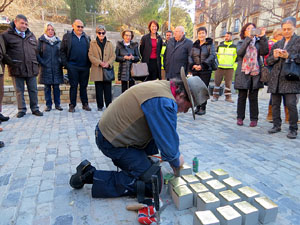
(203, 55)
(176, 56)
(124, 73)
(2, 52)
(49, 58)
(66, 45)
(95, 56)
(242, 80)
(146, 47)
(22, 51)
(278, 83)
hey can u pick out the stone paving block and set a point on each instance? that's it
(228, 197)
(204, 176)
(196, 189)
(41, 220)
(64, 220)
(247, 193)
(219, 174)
(4, 180)
(12, 199)
(8, 215)
(62, 179)
(182, 197)
(215, 186)
(184, 170)
(45, 196)
(207, 201)
(248, 212)
(44, 210)
(30, 191)
(47, 185)
(228, 215)
(48, 165)
(232, 183)
(267, 209)
(205, 218)
(27, 205)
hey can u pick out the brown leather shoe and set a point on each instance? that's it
(86, 107)
(71, 108)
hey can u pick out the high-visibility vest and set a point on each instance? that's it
(226, 55)
(162, 52)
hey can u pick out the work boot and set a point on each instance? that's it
(292, 134)
(216, 93)
(201, 112)
(269, 116)
(228, 98)
(287, 115)
(83, 175)
(274, 130)
(197, 109)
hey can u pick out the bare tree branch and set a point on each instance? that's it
(5, 4)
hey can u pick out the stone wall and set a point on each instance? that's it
(10, 94)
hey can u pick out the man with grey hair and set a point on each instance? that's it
(21, 45)
(74, 55)
(177, 53)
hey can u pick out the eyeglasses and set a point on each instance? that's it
(80, 27)
(103, 33)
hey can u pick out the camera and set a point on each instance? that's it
(255, 32)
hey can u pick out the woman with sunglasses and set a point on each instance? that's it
(126, 53)
(101, 55)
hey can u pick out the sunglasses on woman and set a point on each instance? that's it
(103, 33)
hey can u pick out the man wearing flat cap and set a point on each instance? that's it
(138, 123)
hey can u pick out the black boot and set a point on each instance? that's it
(3, 118)
(84, 175)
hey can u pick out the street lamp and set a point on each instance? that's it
(169, 25)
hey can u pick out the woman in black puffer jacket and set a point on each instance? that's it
(51, 68)
(126, 53)
(201, 58)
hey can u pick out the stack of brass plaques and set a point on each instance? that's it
(175, 182)
(232, 183)
(247, 193)
(205, 218)
(228, 215)
(207, 201)
(190, 179)
(215, 186)
(204, 176)
(219, 174)
(267, 209)
(182, 197)
(228, 197)
(196, 189)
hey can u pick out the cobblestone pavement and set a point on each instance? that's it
(42, 152)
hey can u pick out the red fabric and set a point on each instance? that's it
(173, 88)
(153, 50)
(146, 215)
(270, 43)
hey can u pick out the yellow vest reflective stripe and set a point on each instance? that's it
(226, 56)
(162, 52)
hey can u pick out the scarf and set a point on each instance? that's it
(51, 40)
(101, 45)
(250, 62)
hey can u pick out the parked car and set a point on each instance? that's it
(4, 19)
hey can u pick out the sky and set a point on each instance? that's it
(191, 9)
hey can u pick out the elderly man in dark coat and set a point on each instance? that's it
(177, 54)
(287, 48)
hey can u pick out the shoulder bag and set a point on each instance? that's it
(139, 70)
(291, 70)
(265, 74)
(108, 74)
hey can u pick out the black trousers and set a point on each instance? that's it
(253, 104)
(206, 79)
(127, 84)
(78, 75)
(103, 87)
(290, 101)
(153, 70)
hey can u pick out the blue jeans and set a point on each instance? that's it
(48, 96)
(133, 163)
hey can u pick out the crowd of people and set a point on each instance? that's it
(86, 60)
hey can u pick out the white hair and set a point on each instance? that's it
(181, 28)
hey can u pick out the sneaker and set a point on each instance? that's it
(253, 123)
(100, 109)
(292, 134)
(20, 114)
(3, 118)
(86, 107)
(1, 144)
(47, 109)
(71, 108)
(37, 113)
(59, 108)
(240, 122)
(76, 180)
(274, 130)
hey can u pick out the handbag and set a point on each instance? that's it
(139, 70)
(215, 64)
(291, 70)
(265, 74)
(108, 74)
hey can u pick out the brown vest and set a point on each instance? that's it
(123, 123)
